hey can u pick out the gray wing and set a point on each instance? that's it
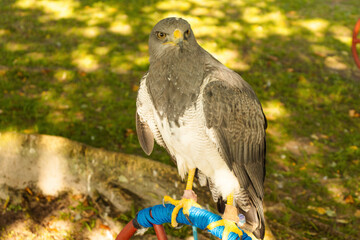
(145, 136)
(236, 116)
(146, 129)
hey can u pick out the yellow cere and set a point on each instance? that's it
(177, 34)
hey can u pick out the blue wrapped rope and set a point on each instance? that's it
(199, 218)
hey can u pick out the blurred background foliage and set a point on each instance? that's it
(72, 68)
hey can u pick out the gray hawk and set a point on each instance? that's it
(208, 119)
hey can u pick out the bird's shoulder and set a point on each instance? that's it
(216, 71)
(229, 101)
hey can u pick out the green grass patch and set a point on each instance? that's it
(73, 70)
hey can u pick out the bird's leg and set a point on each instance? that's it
(188, 199)
(230, 212)
(189, 193)
(230, 218)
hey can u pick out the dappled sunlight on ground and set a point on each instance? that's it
(261, 20)
(65, 217)
(274, 109)
(54, 9)
(335, 63)
(317, 26)
(341, 33)
(12, 47)
(85, 61)
(72, 68)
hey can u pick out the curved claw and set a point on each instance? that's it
(229, 227)
(184, 203)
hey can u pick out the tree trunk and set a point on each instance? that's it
(54, 164)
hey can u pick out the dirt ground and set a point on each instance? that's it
(34, 216)
(30, 215)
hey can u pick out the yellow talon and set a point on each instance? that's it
(171, 200)
(229, 226)
(184, 203)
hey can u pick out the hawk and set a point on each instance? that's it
(208, 119)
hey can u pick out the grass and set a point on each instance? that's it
(73, 70)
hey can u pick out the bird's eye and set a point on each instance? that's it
(160, 35)
(187, 33)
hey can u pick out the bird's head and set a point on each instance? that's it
(171, 35)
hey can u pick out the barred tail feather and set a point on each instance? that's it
(255, 220)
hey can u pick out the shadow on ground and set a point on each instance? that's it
(72, 69)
